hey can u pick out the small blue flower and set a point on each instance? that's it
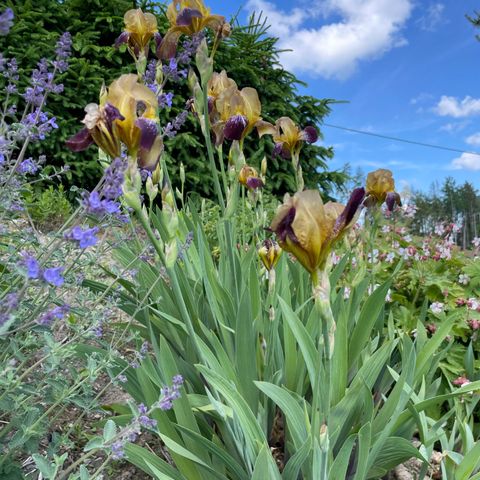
(32, 265)
(85, 237)
(54, 276)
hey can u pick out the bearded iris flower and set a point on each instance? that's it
(307, 228)
(248, 177)
(140, 28)
(237, 113)
(100, 128)
(216, 86)
(186, 17)
(128, 115)
(380, 187)
(288, 137)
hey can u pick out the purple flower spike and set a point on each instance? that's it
(6, 21)
(310, 134)
(234, 127)
(80, 141)
(186, 16)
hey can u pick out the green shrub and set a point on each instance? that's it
(50, 208)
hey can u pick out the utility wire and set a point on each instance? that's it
(412, 142)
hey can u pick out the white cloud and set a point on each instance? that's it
(474, 139)
(365, 30)
(466, 161)
(432, 18)
(454, 107)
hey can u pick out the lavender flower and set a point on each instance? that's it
(165, 100)
(11, 75)
(96, 206)
(172, 72)
(28, 166)
(190, 47)
(169, 394)
(63, 52)
(118, 451)
(85, 237)
(150, 76)
(6, 21)
(173, 128)
(59, 313)
(37, 125)
(114, 178)
(54, 276)
(9, 303)
(31, 264)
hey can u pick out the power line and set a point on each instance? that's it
(404, 140)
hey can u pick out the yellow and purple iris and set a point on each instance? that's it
(127, 114)
(186, 17)
(380, 187)
(236, 114)
(248, 177)
(288, 137)
(140, 28)
(307, 228)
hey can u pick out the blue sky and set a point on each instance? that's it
(408, 68)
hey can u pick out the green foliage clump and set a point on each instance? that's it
(50, 208)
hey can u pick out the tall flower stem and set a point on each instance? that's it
(326, 340)
(298, 171)
(208, 141)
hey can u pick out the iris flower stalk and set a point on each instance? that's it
(308, 229)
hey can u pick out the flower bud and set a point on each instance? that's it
(269, 253)
(264, 166)
(152, 190)
(204, 62)
(171, 253)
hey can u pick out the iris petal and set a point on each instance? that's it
(186, 16)
(80, 141)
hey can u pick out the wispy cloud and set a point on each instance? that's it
(432, 17)
(473, 139)
(365, 31)
(454, 107)
(421, 98)
(454, 127)
(466, 161)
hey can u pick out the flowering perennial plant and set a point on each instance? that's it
(234, 360)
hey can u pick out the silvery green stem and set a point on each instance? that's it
(326, 340)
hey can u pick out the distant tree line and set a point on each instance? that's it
(451, 203)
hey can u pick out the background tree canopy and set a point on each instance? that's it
(95, 24)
